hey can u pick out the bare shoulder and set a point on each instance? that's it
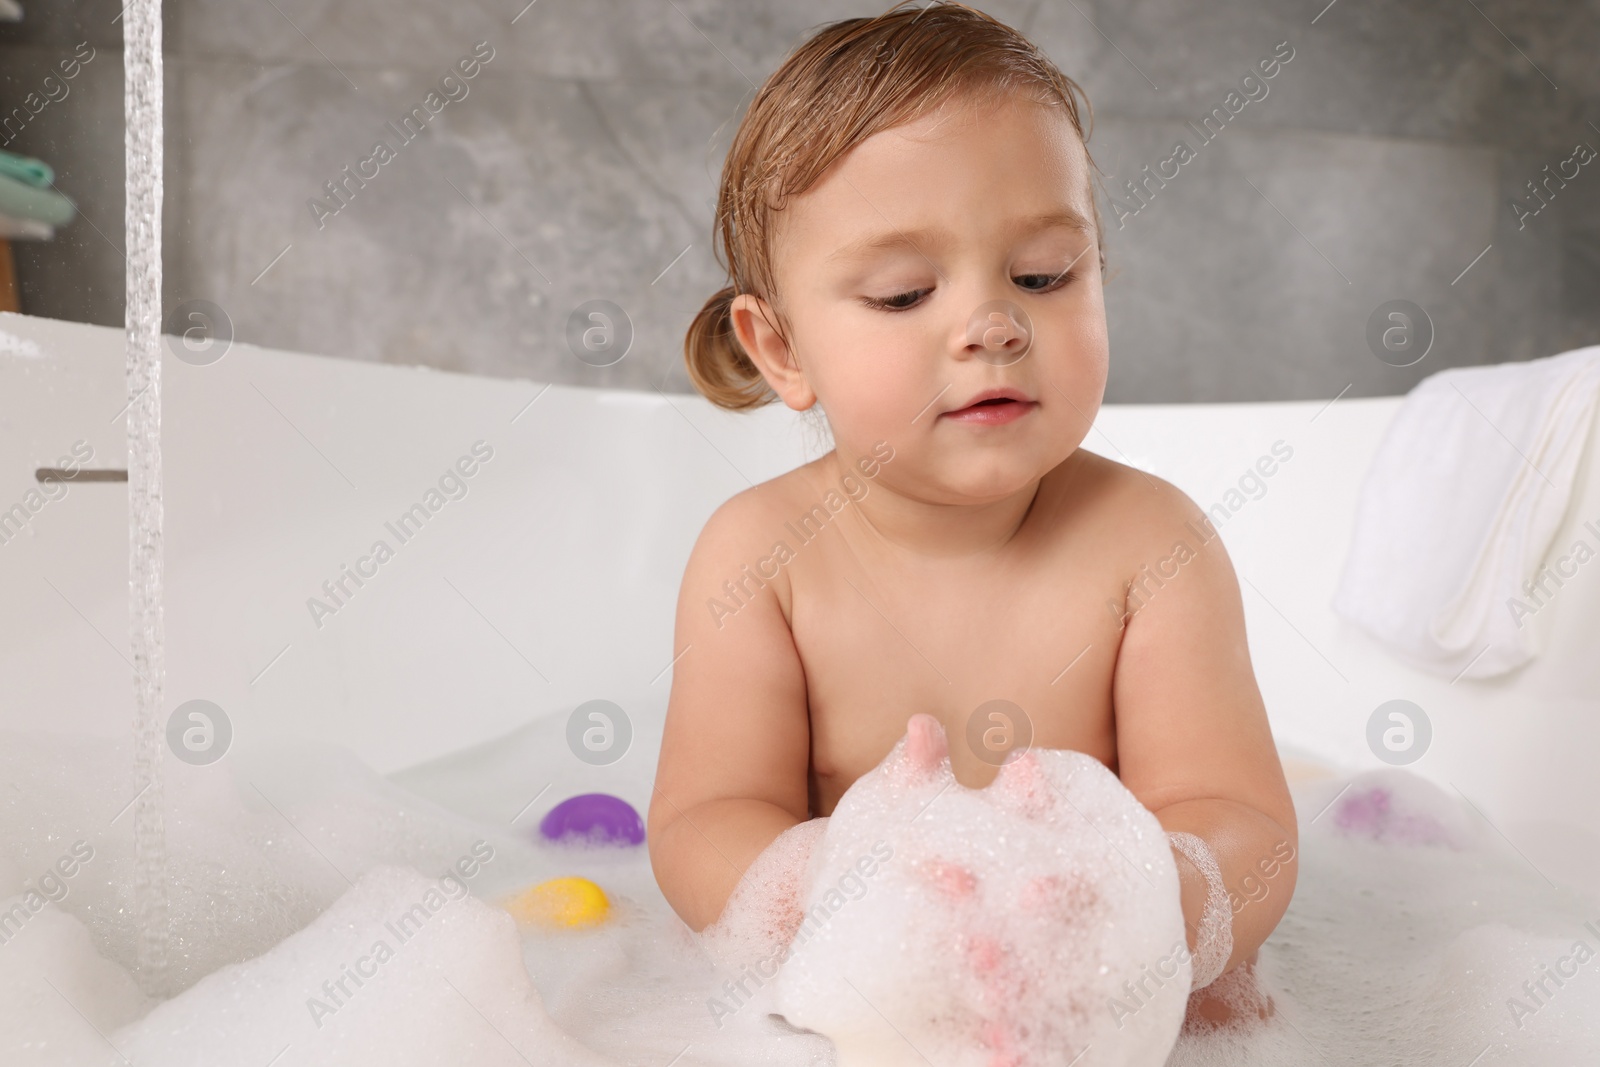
(748, 511)
(1133, 512)
(741, 532)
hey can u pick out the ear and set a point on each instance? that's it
(754, 324)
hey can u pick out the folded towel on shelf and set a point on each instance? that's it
(1460, 505)
(26, 169)
(23, 201)
(25, 229)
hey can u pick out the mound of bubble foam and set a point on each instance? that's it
(260, 845)
(1032, 922)
(257, 844)
(402, 970)
(57, 994)
(748, 941)
(1417, 934)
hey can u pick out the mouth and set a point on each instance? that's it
(993, 407)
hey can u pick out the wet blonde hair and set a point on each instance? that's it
(852, 79)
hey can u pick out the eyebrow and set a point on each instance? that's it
(937, 236)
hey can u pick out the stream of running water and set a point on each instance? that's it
(142, 77)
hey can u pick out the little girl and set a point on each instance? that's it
(914, 248)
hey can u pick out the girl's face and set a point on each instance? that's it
(907, 273)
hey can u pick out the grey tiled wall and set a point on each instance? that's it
(581, 164)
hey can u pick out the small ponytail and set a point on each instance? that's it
(717, 362)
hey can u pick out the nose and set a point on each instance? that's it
(998, 332)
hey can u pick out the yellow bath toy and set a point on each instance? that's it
(561, 903)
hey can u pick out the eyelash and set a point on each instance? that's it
(884, 305)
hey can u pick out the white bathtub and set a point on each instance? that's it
(552, 581)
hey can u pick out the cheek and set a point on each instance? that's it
(1074, 360)
(1084, 333)
(870, 366)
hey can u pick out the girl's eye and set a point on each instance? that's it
(898, 302)
(1046, 282)
(1033, 283)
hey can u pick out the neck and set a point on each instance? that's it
(937, 531)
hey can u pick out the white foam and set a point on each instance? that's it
(762, 916)
(397, 971)
(57, 993)
(1213, 945)
(1006, 925)
(255, 851)
(259, 851)
(1412, 926)
(12, 345)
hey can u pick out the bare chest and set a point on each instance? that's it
(1019, 655)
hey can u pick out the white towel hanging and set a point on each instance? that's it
(1460, 505)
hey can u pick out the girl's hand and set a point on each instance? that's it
(765, 911)
(1234, 996)
(767, 907)
(1012, 924)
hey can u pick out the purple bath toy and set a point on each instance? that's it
(1371, 813)
(599, 818)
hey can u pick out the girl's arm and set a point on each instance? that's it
(1193, 741)
(736, 748)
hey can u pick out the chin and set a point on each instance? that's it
(991, 478)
